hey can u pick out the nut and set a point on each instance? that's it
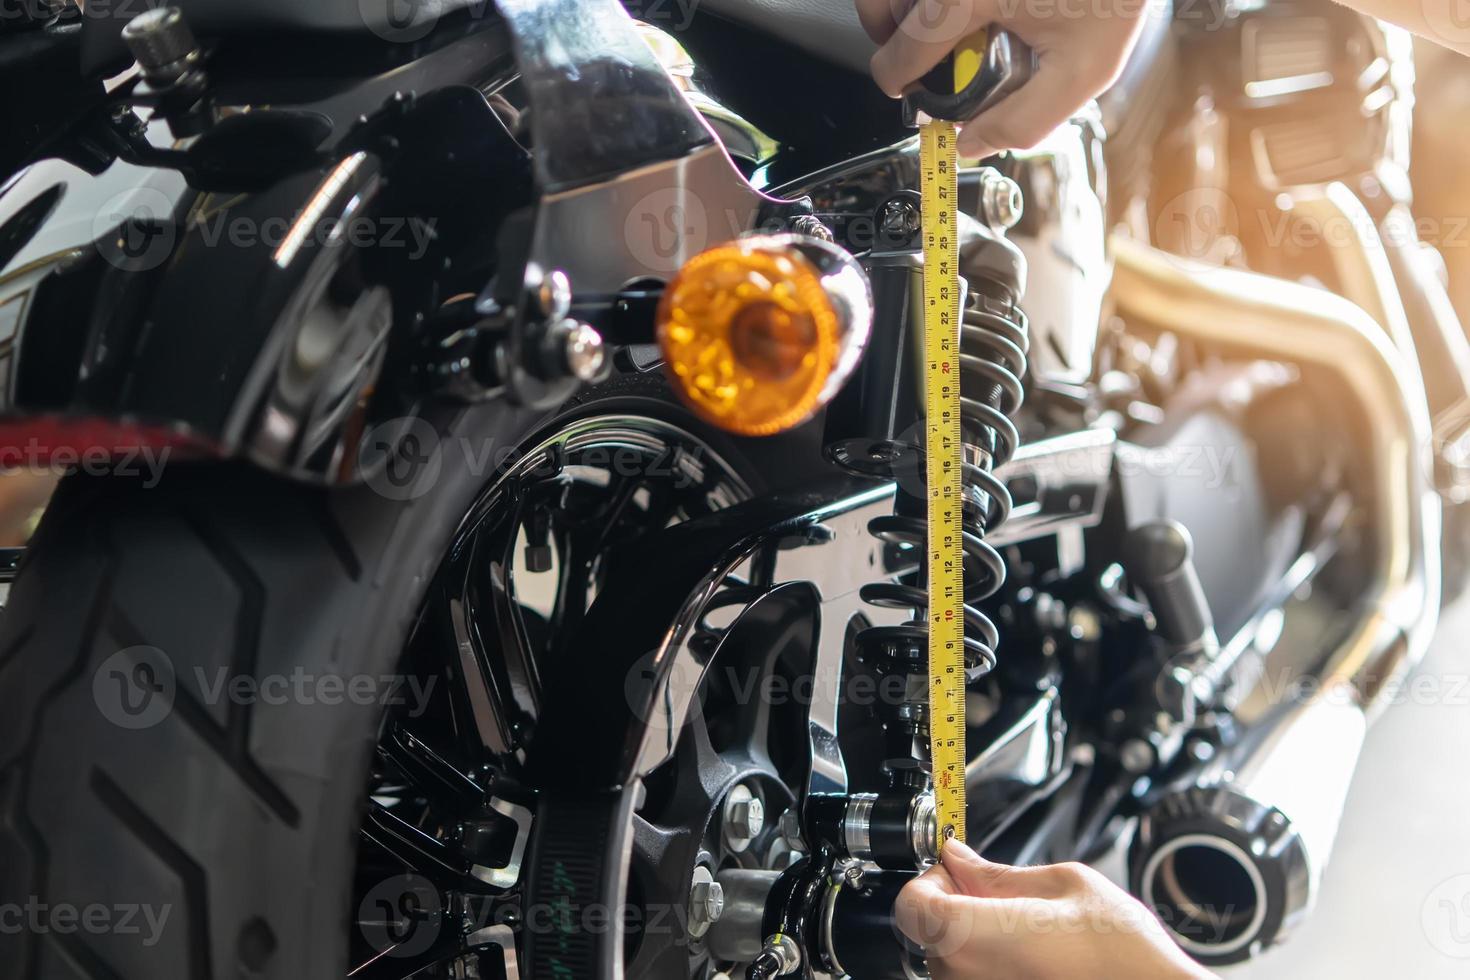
(1001, 202)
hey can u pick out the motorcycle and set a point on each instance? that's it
(530, 580)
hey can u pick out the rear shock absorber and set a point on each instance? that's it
(826, 912)
(878, 431)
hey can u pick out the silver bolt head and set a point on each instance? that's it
(585, 352)
(707, 901)
(747, 818)
(1001, 200)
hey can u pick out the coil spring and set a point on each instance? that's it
(992, 361)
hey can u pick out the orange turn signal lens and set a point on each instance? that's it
(758, 334)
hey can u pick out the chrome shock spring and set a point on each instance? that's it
(993, 346)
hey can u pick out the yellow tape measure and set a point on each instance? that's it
(939, 188)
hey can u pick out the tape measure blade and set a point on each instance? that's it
(939, 188)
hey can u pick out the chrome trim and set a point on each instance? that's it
(651, 220)
(507, 876)
(837, 560)
(1022, 754)
(857, 825)
(504, 937)
(1240, 857)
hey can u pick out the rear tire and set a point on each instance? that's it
(218, 838)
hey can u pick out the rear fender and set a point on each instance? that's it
(256, 324)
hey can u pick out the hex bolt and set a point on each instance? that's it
(1001, 201)
(790, 825)
(706, 902)
(744, 817)
(748, 819)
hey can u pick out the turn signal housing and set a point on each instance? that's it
(760, 333)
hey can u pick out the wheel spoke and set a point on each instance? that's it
(417, 851)
(438, 774)
(440, 781)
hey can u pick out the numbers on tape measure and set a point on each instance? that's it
(939, 191)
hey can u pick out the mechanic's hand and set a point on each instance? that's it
(1081, 49)
(976, 919)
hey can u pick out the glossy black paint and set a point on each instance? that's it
(194, 286)
(606, 105)
(256, 319)
(646, 588)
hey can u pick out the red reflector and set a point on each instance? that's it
(55, 441)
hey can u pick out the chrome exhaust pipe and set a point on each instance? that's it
(1232, 863)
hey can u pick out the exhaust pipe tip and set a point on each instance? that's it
(1226, 874)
